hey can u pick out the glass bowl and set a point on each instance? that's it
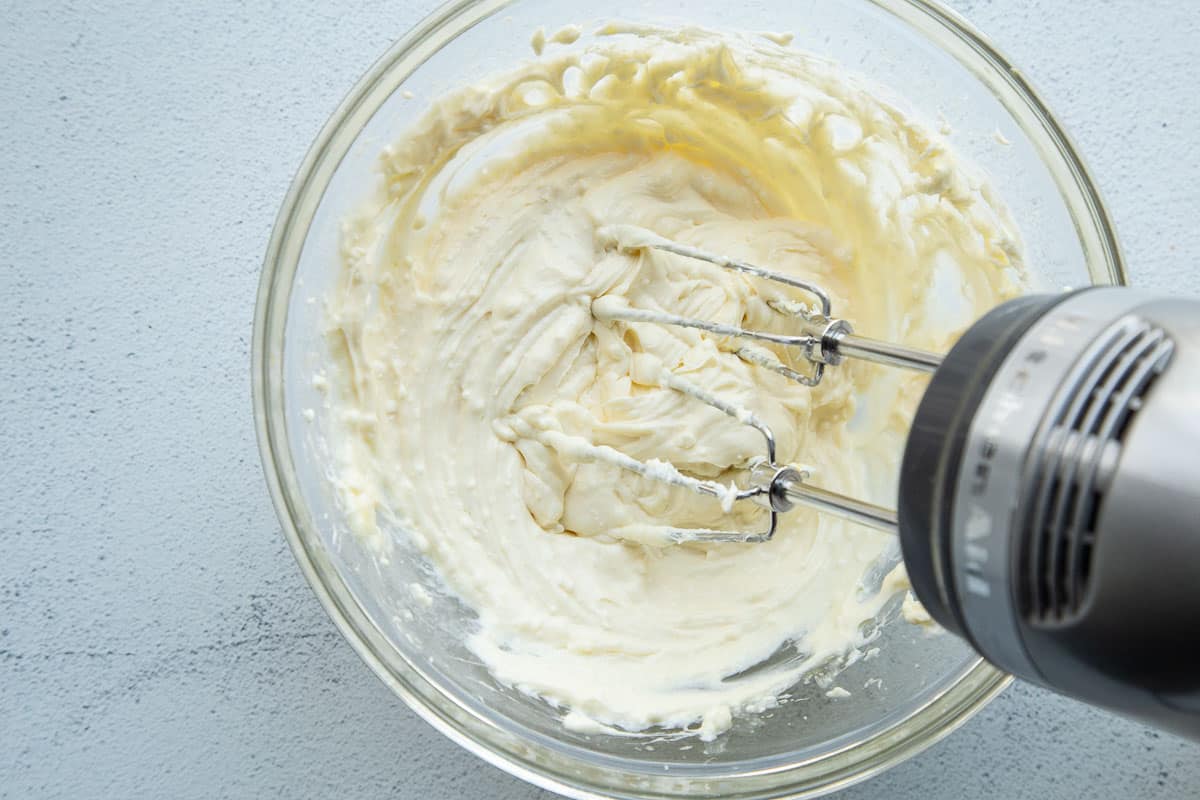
(935, 65)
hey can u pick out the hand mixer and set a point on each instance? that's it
(1049, 500)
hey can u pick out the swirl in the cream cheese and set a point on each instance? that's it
(471, 375)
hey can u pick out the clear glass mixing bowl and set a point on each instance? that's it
(412, 639)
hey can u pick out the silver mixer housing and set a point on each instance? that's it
(1049, 504)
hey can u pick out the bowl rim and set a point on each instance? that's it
(555, 770)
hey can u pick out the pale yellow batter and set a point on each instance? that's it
(471, 378)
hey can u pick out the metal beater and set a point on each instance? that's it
(823, 339)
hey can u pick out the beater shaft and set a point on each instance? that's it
(886, 353)
(789, 484)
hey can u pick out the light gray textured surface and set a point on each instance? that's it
(156, 638)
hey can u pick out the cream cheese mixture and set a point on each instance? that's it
(472, 383)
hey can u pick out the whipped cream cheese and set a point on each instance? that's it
(473, 386)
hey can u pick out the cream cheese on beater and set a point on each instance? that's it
(473, 387)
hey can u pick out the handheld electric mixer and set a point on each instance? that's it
(1049, 487)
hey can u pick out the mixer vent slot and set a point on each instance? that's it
(1077, 462)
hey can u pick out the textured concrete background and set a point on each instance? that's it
(156, 638)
